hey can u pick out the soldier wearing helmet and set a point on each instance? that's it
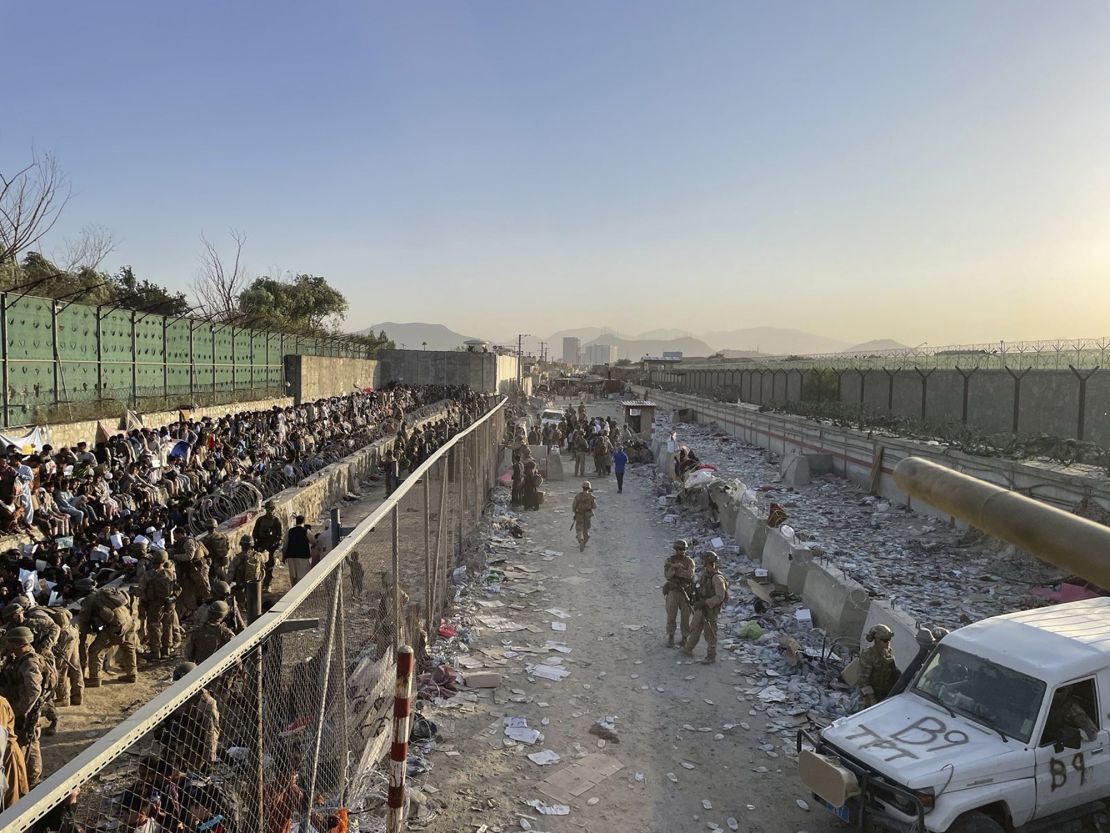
(211, 636)
(709, 598)
(248, 567)
(158, 596)
(678, 589)
(190, 736)
(583, 506)
(25, 683)
(877, 670)
(219, 551)
(221, 592)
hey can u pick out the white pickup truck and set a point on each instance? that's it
(1005, 727)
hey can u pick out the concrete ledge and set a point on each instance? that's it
(787, 563)
(750, 533)
(904, 626)
(839, 603)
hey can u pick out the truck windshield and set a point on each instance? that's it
(998, 697)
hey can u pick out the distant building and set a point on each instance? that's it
(674, 355)
(601, 354)
(572, 351)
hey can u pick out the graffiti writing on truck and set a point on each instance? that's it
(1059, 771)
(924, 735)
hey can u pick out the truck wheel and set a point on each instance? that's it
(976, 823)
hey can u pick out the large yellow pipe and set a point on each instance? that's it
(1075, 544)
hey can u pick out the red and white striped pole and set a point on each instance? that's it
(399, 751)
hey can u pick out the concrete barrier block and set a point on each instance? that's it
(751, 533)
(904, 626)
(787, 562)
(555, 469)
(795, 469)
(839, 603)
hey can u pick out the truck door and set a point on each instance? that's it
(1073, 761)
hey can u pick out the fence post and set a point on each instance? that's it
(399, 751)
(1082, 377)
(396, 578)
(234, 366)
(441, 540)
(212, 330)
(329, 646)
(192, 366)
(341, 648)
(57, 352)
(258, 787)
(4, 349)
(99, 354)
(428, 595)
(457, 450)
(252, 364)
(134, 362)
(165, 362)
(1017, 377)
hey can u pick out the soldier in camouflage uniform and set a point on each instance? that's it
(211, 636)
(877, 670)
(158, 594)
(67, 658)
(678, 587)
(25, 682)
(247, 568)
(221, 592)
(190, 736)
(219, 552)
(106, 613)
(583, 507)
(712, 593)
(45, 633)
(190, 561)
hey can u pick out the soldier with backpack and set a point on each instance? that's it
(45, 633)
(248, 568)
(191, 562)
(27, 683)
(710, 596)
(106, 612)
(158, 594)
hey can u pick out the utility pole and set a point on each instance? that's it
(520, 360)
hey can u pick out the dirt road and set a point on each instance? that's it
(689, 755)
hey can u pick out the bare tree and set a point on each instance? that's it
(87, 251)
(31, 199)
(220, 281)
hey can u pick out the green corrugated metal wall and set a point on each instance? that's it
(144, 362)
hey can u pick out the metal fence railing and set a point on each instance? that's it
(283, 727)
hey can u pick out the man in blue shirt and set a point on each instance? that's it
(620, 460)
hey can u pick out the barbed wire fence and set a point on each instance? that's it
(284, 727)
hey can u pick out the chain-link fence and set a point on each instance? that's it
(1053, 354)
(282, 729)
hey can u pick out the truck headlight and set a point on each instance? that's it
(927, 797)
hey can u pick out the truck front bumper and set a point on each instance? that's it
(879, 803)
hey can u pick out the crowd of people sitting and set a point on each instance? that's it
(113, 556)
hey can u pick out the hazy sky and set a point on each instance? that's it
(924, 171)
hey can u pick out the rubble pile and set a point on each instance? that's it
(938, 574)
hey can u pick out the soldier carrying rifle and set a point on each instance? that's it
(678, 589)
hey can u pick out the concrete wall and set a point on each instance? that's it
(318, 377)
(487, 372)
(71, 433)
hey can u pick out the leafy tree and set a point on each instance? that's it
(146, 296)
(304, 304)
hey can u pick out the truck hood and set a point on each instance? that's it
(913, 742)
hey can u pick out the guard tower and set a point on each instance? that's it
(638, 416)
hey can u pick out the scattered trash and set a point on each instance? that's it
(544, 758)
(605, 729)
(548, 809)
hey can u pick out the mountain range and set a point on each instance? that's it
(749, 341)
